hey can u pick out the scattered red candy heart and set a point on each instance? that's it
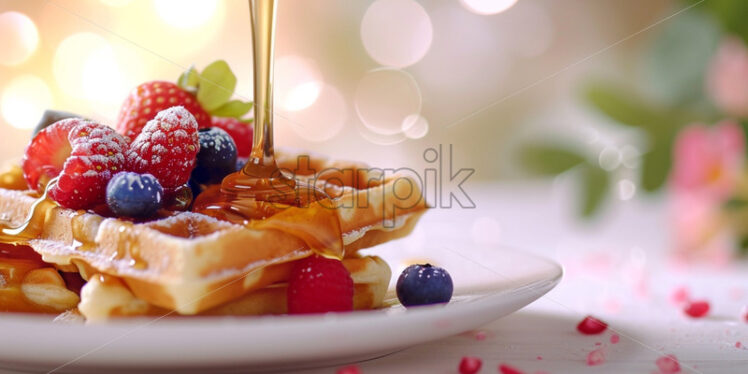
(470, 365)
(668, 364)
(697, 309)
(591, 326)
(506, 369)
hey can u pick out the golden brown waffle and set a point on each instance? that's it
(193, 263)
(105, 297)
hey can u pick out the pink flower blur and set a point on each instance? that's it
(727, 78)
(708, 159)
(708, 162)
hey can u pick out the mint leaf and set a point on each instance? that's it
(189, 80)
(217, 84)
(595, 183)
(233, 109)
(549, 159)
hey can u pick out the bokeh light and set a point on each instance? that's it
(116, 3)
(486, 7)
(24, 100)
(85, 67)
(415, 126)
(297, 83)
(396, 33)
(186, 14)
(626, 189)
(320, 121)
(384, 99)
(18, 38)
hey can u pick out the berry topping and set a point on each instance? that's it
(217, 156)
(591, 326)
(202, 94)
(84, 154)
(131, 194)
(166, 148)
(697, 309)
(470, 365)
(240, 131)
(319, 285)
(423, 285)
(150, 98)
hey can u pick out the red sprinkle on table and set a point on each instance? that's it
(353, 369)
(697, 309)
(614, 339)
(470, 365)
(506, 369)
(668, 364)
(480, 335)
(738, 345)
(596, 357)
(591, 326)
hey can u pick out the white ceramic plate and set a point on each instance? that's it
(489, 283)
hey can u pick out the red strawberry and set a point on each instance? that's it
(240, 131)
(150, 98)
(84, 154)
(166, 148)
(319, 285)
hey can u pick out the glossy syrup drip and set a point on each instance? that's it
(261, 190)
(34, 222)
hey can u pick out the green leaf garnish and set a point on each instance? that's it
(217, 84)
(189, 80)
(233, 108)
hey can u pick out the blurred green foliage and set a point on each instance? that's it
(732, 15)
(673, 97)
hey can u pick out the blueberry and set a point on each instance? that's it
(423, 285)
(51, 116)
(134, 195)
(240, 162)
(217, 156)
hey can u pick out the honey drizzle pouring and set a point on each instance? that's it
(261, 190)
(34, 222)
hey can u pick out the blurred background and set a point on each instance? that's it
(614, 101)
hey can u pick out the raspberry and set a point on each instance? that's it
(470, 365)
(319, 285)
(166, 148)
(697, 309)
(46, 153)
(150, 98)
(240, 131)
(591, 326)
(84, 154)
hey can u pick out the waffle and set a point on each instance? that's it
(191, 263)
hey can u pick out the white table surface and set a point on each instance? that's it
(616, 268)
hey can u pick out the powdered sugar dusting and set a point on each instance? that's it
(166, 147)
